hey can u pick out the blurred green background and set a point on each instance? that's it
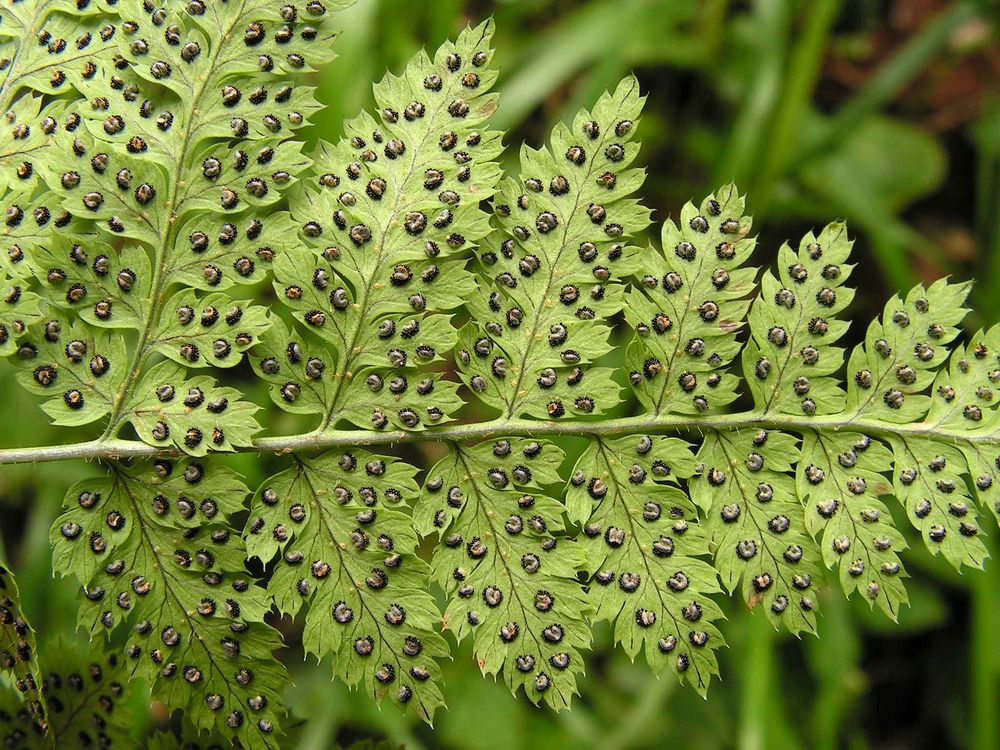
(883, 113)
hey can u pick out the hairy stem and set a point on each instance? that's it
(113, 448)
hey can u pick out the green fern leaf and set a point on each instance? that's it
(929, 481)
(168, 151)
(789, 364)
(153, 175)
(210, 330)
(212, 247)
(78, 368)
(893, 370)
(49, 46)
(24, 143)
(77, 269)
(757, 524)
(348, 557)
(509, 574)
(644, 548)
(403, 191)
(688, 311)
(897, 363)
(88, 694)
(192, 414)
(963, 403)
(19, 651)
(840, 484)
(294, 367)
(551, 273)
(19, 307)
(153, 548)
(790, 360)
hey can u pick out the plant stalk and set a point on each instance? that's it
(114, 449)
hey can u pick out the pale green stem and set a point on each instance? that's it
(113, 448)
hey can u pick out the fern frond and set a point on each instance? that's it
(535, 338)
(154, 178)
(893, 371)
(153, 548)
(348, 557)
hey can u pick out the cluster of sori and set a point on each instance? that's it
(154, 182)
(80, 700)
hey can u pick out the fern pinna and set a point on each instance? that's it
(166, 223)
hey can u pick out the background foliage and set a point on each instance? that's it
(880, 112)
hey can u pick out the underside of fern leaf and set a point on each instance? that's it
(87, 694)
(170, 239)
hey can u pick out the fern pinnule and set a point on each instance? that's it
(347, 558)
(963, 404)
(507, 569)
(403, 190)
(645, 552)
(889, 374)
(688, 305)
(195, 615)
(19, 307)
(550, 275)
(78, 369)
(48, 49)
(757, 524)
(90, 698)
(853, 526)
(791, 359)
(28, 127)
(19, 652)
(53, 46)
